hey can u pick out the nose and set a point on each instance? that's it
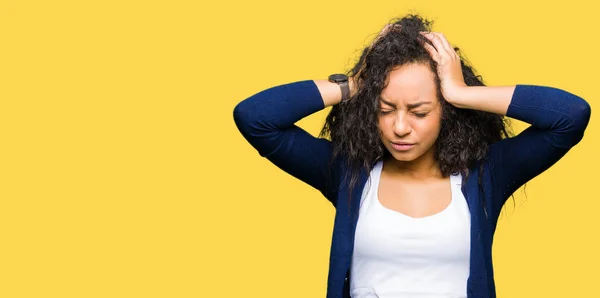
(401, 126)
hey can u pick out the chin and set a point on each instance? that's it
(403, 156)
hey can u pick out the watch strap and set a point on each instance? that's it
(345, 90)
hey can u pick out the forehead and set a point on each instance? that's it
(410, 83)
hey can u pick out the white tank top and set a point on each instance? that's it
(399, 256)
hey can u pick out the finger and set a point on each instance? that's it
(395, 27)
(383, 31)
(447, 47)
(443, 41)
(439, 46)
(431, 36)
(432, 52)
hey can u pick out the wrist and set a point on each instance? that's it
(493, 99)
(457, 96)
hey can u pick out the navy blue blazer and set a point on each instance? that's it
(558, 120)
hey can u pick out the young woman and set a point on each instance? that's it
(419, 163)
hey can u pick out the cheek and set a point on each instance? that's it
(386, 125)
(431, 125)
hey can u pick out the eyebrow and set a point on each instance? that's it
(410, 106)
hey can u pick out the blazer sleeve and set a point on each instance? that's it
(266, 120)
(558, 120)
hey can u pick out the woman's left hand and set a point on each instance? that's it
(449, 68)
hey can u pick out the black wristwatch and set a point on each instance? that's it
(342, 81)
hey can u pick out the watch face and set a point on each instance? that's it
(338, 77)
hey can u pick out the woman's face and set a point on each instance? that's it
(410, 116)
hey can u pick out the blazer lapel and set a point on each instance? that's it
(477, 274)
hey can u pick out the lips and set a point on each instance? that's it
(402, 146)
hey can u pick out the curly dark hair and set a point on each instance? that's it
(353, 125)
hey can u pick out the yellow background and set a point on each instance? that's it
(123, 174)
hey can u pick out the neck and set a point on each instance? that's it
(424, 167)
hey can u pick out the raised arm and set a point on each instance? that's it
(558, 120)
(266, 120)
